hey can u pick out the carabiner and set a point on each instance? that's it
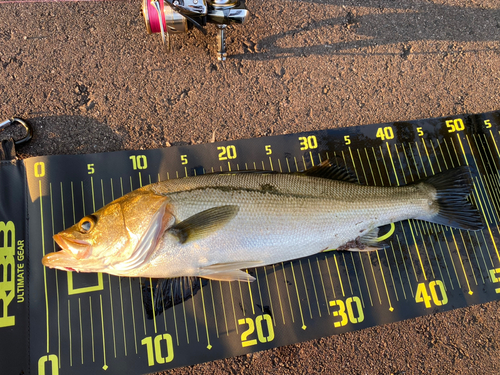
(15, 120)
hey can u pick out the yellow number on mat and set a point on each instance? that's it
(53, 360)
(39, 169)
(455, 125)
(348, 316)
(259, 322)
(495, 277)
(422, 294)
(227, 152)
(139, 161)
(244, 336)
(385, 133)
(308, 143)
(155, 351)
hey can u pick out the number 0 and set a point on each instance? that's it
(53, 360)
(39, 169)
(270, 331)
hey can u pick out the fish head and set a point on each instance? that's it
(115, 239)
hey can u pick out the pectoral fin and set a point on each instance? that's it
(203, 223)
(230, 271)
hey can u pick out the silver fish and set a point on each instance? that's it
(215, 225)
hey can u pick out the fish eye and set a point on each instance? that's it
(87, 223)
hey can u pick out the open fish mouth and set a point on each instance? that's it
(60, 260)
(72, 251)
(80, 249)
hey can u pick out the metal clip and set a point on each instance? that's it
(14, 121)
(221, 43)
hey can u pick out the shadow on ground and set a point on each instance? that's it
(414, 21)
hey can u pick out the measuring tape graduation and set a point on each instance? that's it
(97, 323)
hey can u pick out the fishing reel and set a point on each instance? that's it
(178, 16)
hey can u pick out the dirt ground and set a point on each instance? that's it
(90, 79)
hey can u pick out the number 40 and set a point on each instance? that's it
(422, 294)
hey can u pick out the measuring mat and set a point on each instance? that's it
(56, 322)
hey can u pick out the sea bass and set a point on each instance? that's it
(216, 225)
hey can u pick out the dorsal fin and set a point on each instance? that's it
(326, 169)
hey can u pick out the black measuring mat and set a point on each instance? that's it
(14, 266)
(96, 323)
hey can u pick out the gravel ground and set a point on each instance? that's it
(90, 79)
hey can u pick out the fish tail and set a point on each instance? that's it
(452, 189)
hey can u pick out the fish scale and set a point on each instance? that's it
(215, 225)
(303, 216)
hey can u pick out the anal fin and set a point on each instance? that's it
(230, 276)
(365, 243)
(230, 271)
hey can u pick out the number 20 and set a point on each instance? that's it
(228, 152)
(259, 322)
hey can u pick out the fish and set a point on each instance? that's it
(215, 226)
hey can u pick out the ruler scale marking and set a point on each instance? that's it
(429, 251)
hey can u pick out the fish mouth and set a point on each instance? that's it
(79, 248)
(60, 260)
(72, 251)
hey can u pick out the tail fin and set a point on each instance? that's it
(453, 186)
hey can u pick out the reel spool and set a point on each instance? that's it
(178, 16)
